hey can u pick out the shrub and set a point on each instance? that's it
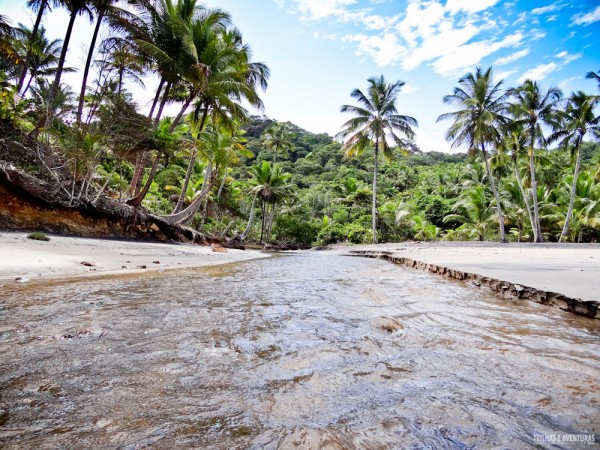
(38, 236)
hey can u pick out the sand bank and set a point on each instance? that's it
(64, 257)
(569, 270)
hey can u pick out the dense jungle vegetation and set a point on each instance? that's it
(532, 174)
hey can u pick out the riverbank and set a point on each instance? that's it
(24, 260)
(560, 275)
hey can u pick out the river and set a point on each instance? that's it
(303, 350)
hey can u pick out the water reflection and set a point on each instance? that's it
(299, 351)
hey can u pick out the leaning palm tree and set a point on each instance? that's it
(75, 8)
(221, 76)
(277, 138)
(41, 6)
(376, 121)
(578, 118)
(43, 54)
(531, 109)
(477, 123)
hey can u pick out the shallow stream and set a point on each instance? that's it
(308, 350)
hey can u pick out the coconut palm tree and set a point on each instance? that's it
(44, 54)
(104, 9)
(593, 76)
(228, 77)
(277, 138)
(478, 121)
(376, 121)
(270, 186)
(575, 122)
(474, 211)
(532, 108)
(41, 6)
(75, 8)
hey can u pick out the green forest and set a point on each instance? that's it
(532, 173)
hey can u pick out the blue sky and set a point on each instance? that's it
(320, 50)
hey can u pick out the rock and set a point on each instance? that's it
(87, 264)
(218, 249)
(235, 242)
(388, 324)
(22, 279)
(142, 267)
(3, 413)
(155, 262)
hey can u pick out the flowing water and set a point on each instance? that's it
(308, 350)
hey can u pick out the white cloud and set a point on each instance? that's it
(550, 8)
(408, 89)
(561, 54)
(385, 49)
(539, 72)
(320, 9)
(586, 19)
(510, 58)
(503, 75)
(469, 6)
(469, 55)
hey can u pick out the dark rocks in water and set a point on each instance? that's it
(87, 264)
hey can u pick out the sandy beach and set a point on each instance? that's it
(25, 260)
(572, 270)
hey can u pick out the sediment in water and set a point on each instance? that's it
(506, 289)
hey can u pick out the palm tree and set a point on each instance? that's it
(7, 48)
(376, 120)
(42, 6)
(474, 211)
(514, 143)
(593, 76)
(477, 122)
(43, 54)
(228, 78)
(578, 118)
(277, 138)
(531, 109)
(103, 8)
(76, 8)
(270, 185)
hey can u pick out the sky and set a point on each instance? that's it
(318, 51)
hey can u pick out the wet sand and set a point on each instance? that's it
(572, 270)
(66, 257)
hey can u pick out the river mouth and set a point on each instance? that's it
(307, 350)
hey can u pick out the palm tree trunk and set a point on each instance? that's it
(88, 63)
(188, 213)
(183, 108)
(374, 202)
(34, 32)
(156, 97)
(222, 184)
(525, 199)
(496, 196)
(250, 220)
(537, 229)
(262, 228)
(190, 168)
(28, 85)
(573, 191)
(162, 103)
(137, 200)
(61, 63)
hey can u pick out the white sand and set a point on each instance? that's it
(569, 269)
(61, 257)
